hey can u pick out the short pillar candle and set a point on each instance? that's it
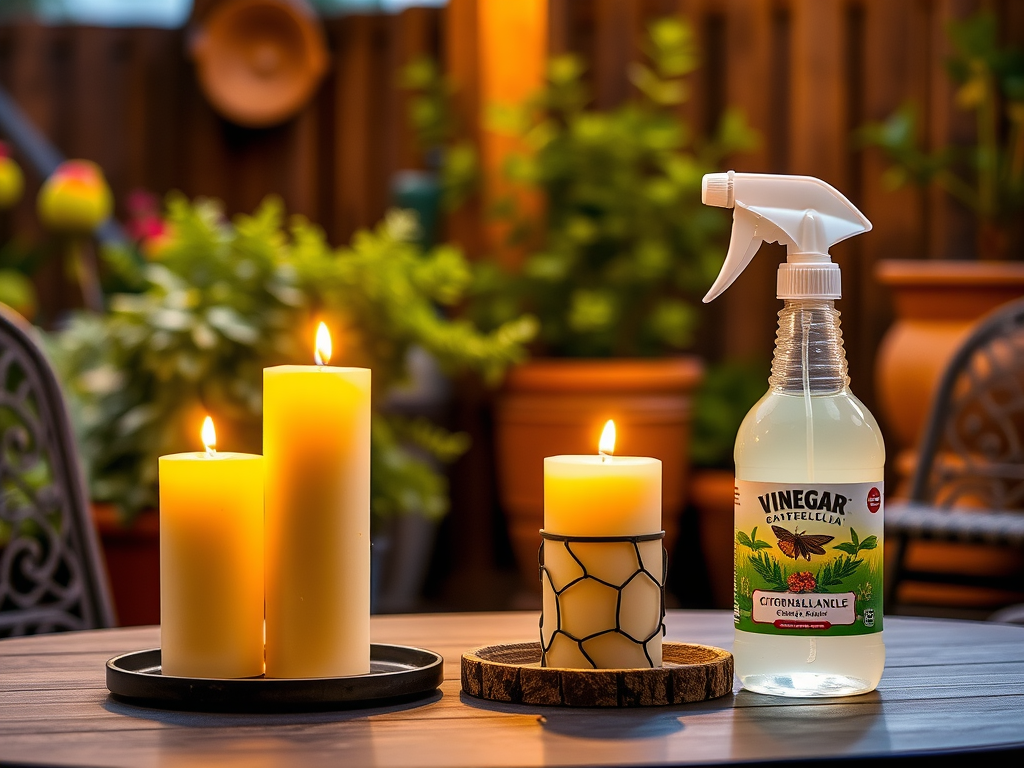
(603, 600)
(211, 563)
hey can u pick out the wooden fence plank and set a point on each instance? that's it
(352, 125)
(698, 108)
(137, 125)
(462, 65)
(747, 310)
(950, 229)
(204, 167)
(895, 37)
(164, 101)
(39, 84)
(90, 97)
(616, 27)
(302, 165)
(383, 117)
(817, 130)
(415, 32)
(1011, 17)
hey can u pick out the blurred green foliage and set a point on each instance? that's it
(18, 261)
(727, 392)
(222, 300)
(438, 133)
(625, 245)
(987, 176)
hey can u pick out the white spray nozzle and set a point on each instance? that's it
(802, 212)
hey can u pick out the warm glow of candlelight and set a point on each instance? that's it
(606, 446)
(322, 353)
(209, 435)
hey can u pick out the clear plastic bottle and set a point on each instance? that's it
(809, 428)
(809, 458)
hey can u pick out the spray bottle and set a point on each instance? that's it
(809, 459)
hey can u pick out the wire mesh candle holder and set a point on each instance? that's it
(603, 601)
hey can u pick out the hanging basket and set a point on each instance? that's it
(259, 61)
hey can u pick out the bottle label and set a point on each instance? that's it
(808, 558)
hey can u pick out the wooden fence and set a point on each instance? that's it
(805, 72)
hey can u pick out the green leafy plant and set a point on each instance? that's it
(438, 133)
(854, 546)
(624, 245)
(727, 392)
(835, 571)
(751, 541)
(18, 262)
(220, 301)
(988, 176)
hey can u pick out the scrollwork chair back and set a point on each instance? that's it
(968, 484)
(51, 571)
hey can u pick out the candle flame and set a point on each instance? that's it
(322, 353)
(209, 435)
(606, 446)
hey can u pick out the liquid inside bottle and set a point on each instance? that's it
(809, 429)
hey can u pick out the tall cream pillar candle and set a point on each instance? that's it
(594, 496)
(316, 445)
(211, 563)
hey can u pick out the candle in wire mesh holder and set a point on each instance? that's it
(603, 601)
(602, 561)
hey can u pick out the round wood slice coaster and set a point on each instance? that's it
(512, 673)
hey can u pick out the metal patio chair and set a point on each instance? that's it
(968, 485)
(51, 571)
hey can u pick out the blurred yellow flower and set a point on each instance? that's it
(12, 182)
(75, 198)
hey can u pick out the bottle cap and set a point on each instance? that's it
(809, 281)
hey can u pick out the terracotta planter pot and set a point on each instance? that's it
(936, 304)
(132, 554)
(552, 407)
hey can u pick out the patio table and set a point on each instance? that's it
(949, 687)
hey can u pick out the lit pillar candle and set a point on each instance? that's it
(211, 562)
(316, 444)
(594, 496)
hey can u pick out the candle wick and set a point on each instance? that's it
(210, 451)
(604, 456)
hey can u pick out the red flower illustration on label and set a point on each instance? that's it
(874, 500)
(801, 582)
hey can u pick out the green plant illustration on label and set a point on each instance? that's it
(752, 541)
(855, 545)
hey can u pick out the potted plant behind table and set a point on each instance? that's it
(937, 301)
(216, 302)
(728, 391)
(613, 272)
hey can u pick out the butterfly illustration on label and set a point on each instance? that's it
(798, 545)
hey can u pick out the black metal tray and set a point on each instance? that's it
(397, 672)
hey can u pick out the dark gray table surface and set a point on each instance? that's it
(948, 687)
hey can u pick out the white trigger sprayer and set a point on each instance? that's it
(803, 213)
(809, 459)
